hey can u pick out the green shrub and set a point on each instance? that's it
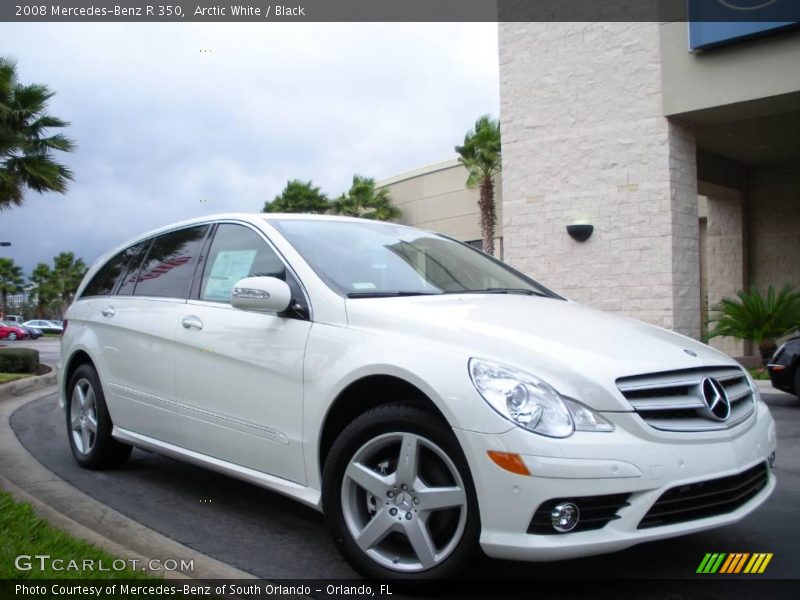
(762, 319)
(18, 360)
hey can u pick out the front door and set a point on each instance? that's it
(239, 374)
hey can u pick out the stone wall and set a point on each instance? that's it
(585, 139)
(774, 207)
(725, 257)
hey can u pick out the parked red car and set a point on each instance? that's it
(10, 332)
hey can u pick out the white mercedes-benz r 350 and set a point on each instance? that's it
(430, 400)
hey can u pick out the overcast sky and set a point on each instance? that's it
(167, 132)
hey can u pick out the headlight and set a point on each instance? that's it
(531, 403)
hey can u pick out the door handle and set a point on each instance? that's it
(192, 322)
(108, 311)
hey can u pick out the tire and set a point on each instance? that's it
(387, 518)
(12, 336)
(797, 381)
(87, 411)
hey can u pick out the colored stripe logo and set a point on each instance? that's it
(734, 563)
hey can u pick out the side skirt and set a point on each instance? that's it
(306, 495)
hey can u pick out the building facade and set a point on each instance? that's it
(685, 161)
(435, 197)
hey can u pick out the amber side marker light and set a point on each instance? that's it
(777, 367)
(509, 461)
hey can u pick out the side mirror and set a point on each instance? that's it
(261, 294)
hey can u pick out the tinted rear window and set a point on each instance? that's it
(169, 267)
(103, 282)
(136, 255)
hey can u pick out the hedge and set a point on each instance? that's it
(18, 360)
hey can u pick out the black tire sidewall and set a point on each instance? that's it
(106, 450)
(371, 424)
(797, 380)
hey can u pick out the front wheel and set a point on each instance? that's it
(399, 498)
(12, 336)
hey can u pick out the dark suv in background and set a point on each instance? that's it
(783, 367)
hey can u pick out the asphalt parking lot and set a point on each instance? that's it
(275, 538)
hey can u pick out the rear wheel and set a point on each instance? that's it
(399, 498)
(12, 336)
(89, 424)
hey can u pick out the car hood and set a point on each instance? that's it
(579, 350)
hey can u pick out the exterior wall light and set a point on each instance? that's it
(580, 232)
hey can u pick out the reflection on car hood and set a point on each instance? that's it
(580, 350)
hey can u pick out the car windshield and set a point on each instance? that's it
(369, 259)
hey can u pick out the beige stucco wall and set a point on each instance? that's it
(753, 70)
(436, 198)
(585, 139)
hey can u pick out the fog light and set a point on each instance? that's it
(771, 460)
(564, 517)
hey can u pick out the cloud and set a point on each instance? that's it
(167, 132)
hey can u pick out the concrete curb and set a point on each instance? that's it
(83, 517)
(765, 387)
(27, 385)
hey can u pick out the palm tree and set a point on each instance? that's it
(10, 279)
(66, 277)
(299, 197)
(754, 317)
(363, 200)
(46, 291)
(480, 154)
(25, 148)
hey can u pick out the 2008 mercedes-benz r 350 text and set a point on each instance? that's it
(430, 400)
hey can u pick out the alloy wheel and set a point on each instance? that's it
(404, 502)
(83, 416)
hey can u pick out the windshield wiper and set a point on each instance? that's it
(394, 294)
(499, 290)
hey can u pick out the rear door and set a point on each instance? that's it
(239, 373)
(137, 327)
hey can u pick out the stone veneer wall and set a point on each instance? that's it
(774, 211)
(725, 257)
(585, 139)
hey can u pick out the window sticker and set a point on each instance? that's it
(363, 285)
(229, 267)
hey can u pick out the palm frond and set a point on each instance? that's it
(26, 152)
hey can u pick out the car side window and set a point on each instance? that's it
(136, 255)
(168, 269)
(103, 282)
(236, 252)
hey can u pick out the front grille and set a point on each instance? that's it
(595, 512)
(673, 400)
(706, 498)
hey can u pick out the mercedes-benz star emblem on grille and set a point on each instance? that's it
(717, 407)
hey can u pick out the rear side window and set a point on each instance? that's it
(236, 252)
(168, 269)
(136, 255)
(103, 282)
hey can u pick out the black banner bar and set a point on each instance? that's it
(698, 588)
(787, 11)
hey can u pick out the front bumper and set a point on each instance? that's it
(782, 377)
(596, 464)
